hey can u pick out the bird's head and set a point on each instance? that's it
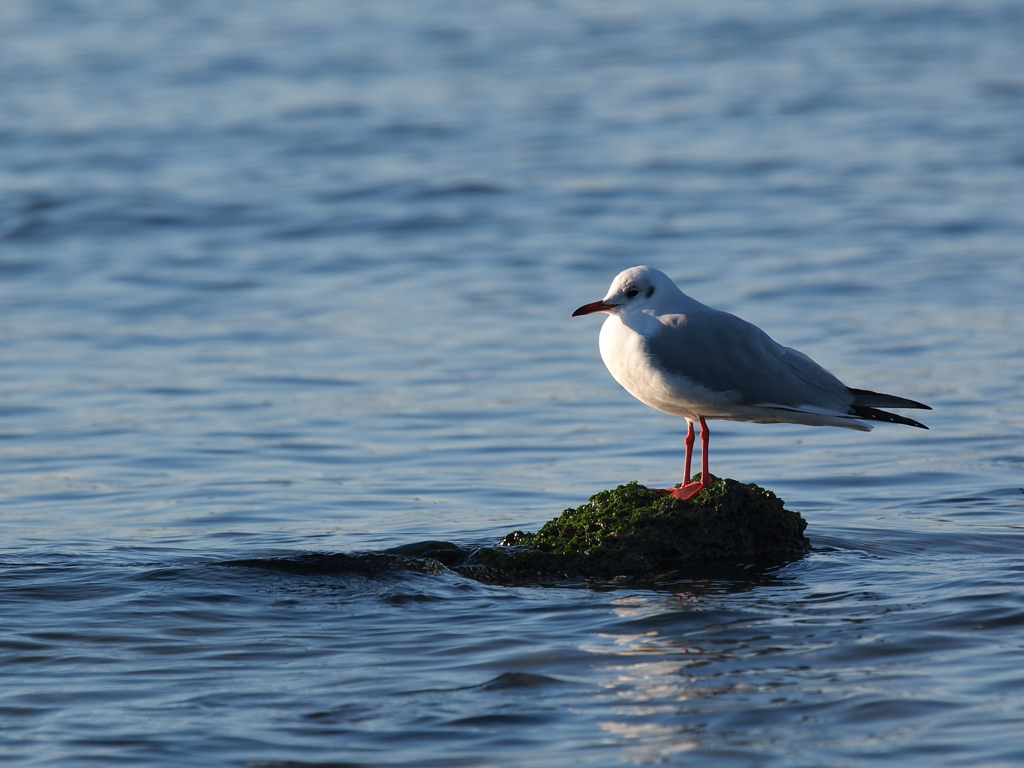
(632, 290)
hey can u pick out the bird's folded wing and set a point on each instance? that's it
(728, 355)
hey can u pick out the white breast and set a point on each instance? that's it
(629, 361)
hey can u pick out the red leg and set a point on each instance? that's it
(688, 490)
(688, 442)
(705, 440)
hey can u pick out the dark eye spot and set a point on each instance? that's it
(632, 293)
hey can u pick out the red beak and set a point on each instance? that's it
(595, 306)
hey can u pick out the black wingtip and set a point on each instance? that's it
(874, 414)
(869, 399)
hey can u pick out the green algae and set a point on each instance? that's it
(631, 531)
(635, 531)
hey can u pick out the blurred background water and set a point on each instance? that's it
(288, 277)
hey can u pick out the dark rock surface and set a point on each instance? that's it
(635, 531)
(631, 531)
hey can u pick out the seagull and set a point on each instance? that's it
(682, 357)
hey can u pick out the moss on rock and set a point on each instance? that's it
(633, 530)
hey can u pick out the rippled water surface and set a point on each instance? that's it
(281, 278)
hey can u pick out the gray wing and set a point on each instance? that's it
(728, 355)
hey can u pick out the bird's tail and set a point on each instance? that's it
(866, 405)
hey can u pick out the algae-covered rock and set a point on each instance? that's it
(633, 530)
(629, 531)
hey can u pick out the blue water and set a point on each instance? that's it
(290, 277)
